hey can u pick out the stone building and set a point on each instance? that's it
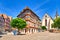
(47, 21)
(6, 22)
(32, 20)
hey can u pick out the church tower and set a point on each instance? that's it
(56, 16)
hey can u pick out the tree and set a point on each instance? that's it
(18, 23)
(56, 23)
(43, 28)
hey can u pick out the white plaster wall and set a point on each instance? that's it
(51, 23)
(48, 18)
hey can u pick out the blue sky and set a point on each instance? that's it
(40, 7)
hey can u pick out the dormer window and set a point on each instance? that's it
(27, 11)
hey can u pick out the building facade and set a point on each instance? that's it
(6, 22)
(1, 23)
(47, 21)
(32, 20)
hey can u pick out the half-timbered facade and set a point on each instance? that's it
(32, 20)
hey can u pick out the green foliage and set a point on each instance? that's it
(56, 23)
(43, 28)
(18, 23)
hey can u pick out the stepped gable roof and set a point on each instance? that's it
(4, 15)
(26, 8)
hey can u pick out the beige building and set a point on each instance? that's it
(32, 20)
(47, 21)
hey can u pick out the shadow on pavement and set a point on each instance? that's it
(0, 36)
(21, 34)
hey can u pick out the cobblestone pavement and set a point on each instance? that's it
(34, 36)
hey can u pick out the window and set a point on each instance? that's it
(28, 22)
(46, 16)
(27, 16)
(45, 22)
(28, 12)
